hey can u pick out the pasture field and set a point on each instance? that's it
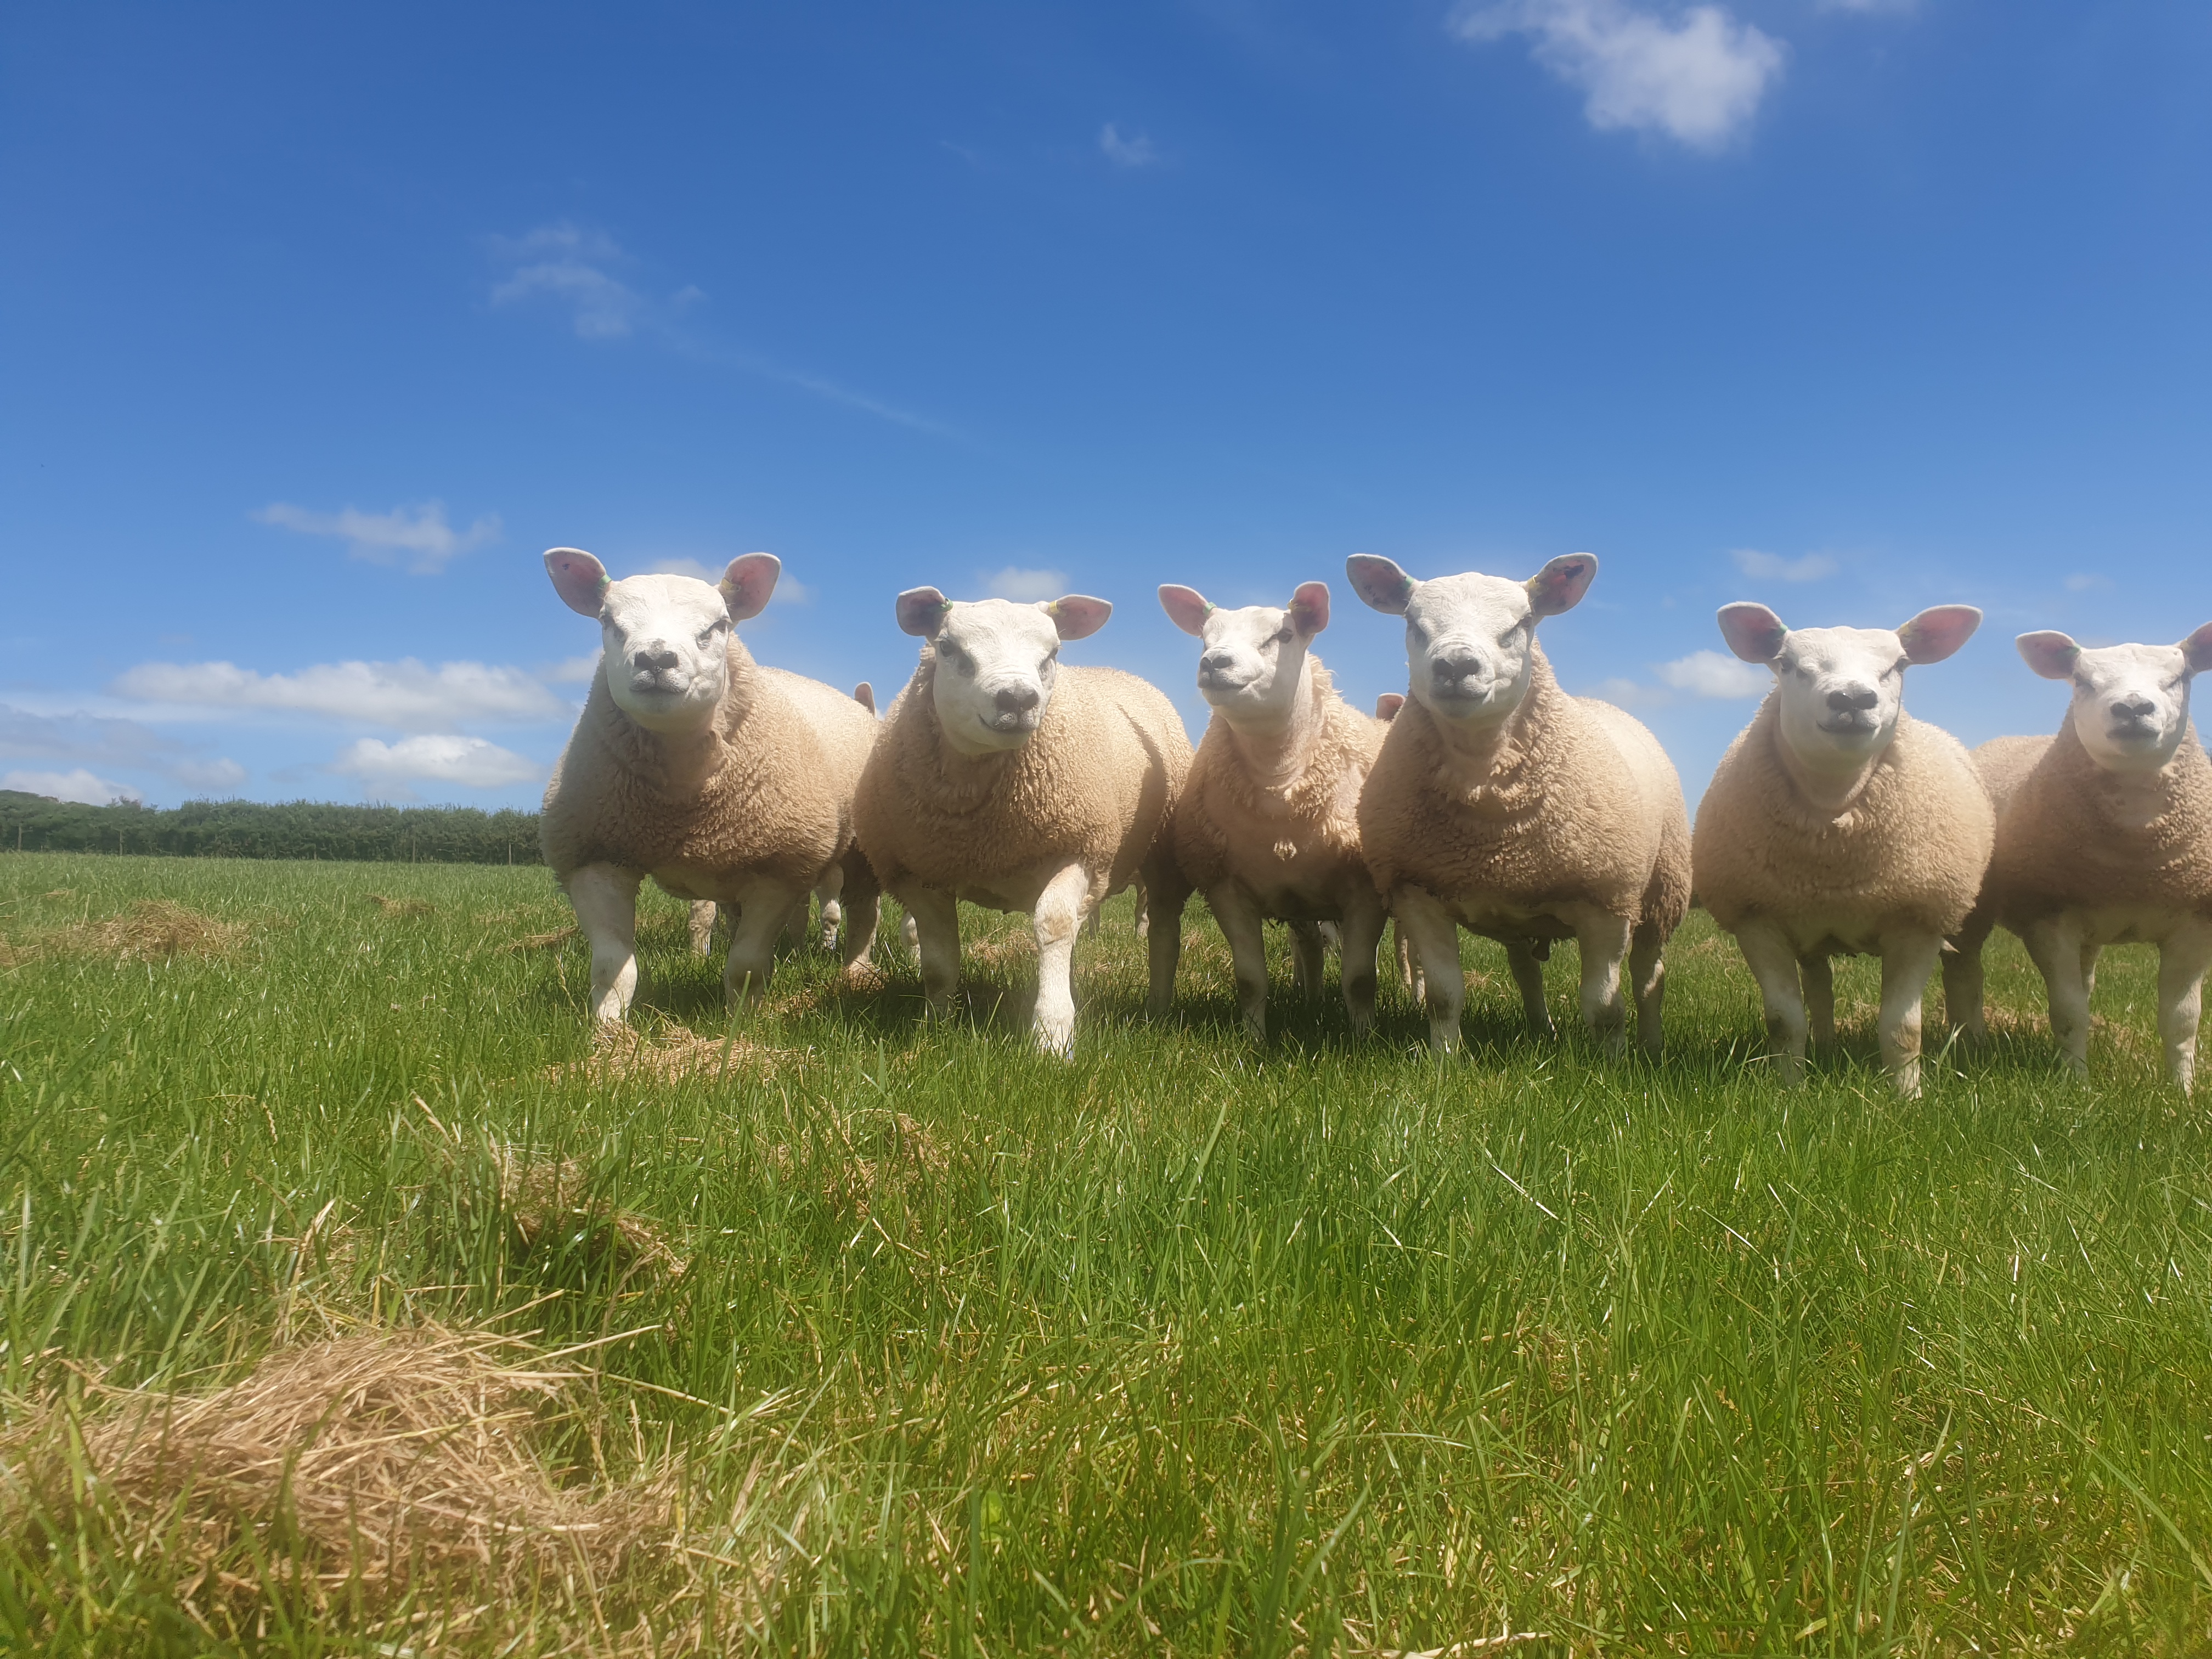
(356, 1304)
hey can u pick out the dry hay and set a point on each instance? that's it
(549, 1200)
(152, 930)
(623, 1054)
(871, 1151)
(403, 907)
(549, 941)
(341, 1473)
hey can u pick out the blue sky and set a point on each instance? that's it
(319, 324)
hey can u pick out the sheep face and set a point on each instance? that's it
(1842, 689)
(2131, 702)
(1255, 658)
(997, 662)
(1470, 639)
(666, 639)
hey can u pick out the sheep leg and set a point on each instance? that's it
(1767, 952)
(1057, 918)
(605, 901)
(2182, 961)
(1434, 936)
(769, 909)
(1409, 966)
(1306, 965)
(1601, 941)
(2056, 950)
(1160, 926)
(1362, 933)
(829, 890)
(2089, 955)
(861, 900)
(1907, 960)
(1963, 986)
(700, 925)
(1647, 978)
(1145, 914)
(1529, 976)
(933, 920)
(910, 935)
(1820, 975)
(1239, 916)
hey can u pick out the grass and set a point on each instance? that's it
(865, 1337)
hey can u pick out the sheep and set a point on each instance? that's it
(1268, 823)
(1838, 825)
(1500, 803)
(692, 765)
(2103, 836)
(1006, 780)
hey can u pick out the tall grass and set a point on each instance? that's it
(1186, 1346)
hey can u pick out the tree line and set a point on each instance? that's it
(260, 829)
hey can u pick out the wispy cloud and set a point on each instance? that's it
(1868, 6)
(1773, 567)
(78, 787)
(419, 535)
(571, 671)
(85, 741)
(789, 590)
(1014, 582)
(407, 694)
(1696, 78)
(1135, 149)
(388, 769)
(572, 267)
(1710, 674)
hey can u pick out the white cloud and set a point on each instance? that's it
(568, 264)
(1867, 7)
(789, 590)
(99, 740)
(419, 534)
(79, 787)
(407, 694)
(1137, 150)
(2081, 582)
(1772, 567)
(1697, 78)
(572, 671)
(1710, 674)
(468, 762)
(1015, 583)
(1627, 693)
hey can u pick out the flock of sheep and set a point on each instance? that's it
(1486, 799)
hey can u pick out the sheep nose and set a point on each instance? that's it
(1854, 696)
(655, 655)
(2137, 707)
(1214, 662)
(1458, 666)
(1018, 699)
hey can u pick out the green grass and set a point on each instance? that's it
(1181, 1347)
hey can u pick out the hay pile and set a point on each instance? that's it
(551, 1200)
(393, 907)
(548, 941)
(152, 930)
(623, 1054)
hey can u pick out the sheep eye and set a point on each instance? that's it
(1283, 638)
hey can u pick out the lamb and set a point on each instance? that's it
(1006, 780)
(2103, 836)
(1838, 825)
(692, 765)
(1501, 804)
(1268, 823)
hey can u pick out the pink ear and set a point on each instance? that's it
(1388, 705)
(921, 612)
(2050, 655)
(1310, 608)
(748, 582)
(2197, 648)
(1560, 585)
(1077, 616)
(578, 578)
(1938, 631)
(865, 695)
(1379, 583)
(1753, 632)
(1186, 607)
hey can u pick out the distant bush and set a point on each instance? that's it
(259, 829)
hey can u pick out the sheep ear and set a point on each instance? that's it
(2050, 653)
(921, 612)
(1938, 631)
(2197, 649)
(865, 695)
(1077, 616)
(1560, 585)
(1753, 632)
(1379, 583)
(747, 584)
(1309, 609)
(578, 578)
(1388, 705)
(1186, 607)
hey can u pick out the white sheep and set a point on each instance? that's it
(1501, 804)
(1006, 780)
(692, 765)
(1267, 824)
(2103, 836)
(1838, 825)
